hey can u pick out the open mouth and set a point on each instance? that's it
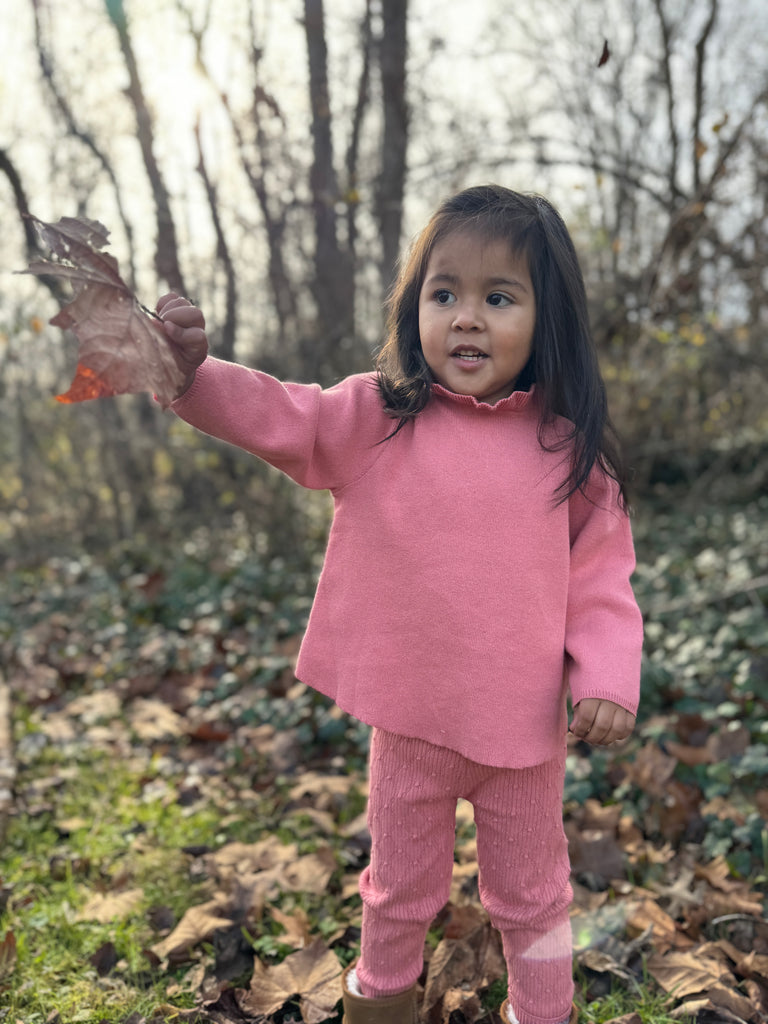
(471, 355)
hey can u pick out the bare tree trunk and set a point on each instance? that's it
(166, 248)
(226, 346)
(670, 95)
(394, 143)
(274, 218)
(333, 285)
(352, 194)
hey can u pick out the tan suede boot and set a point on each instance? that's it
(399, 1009)
(573, 1019)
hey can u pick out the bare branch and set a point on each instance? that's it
(86, 137)
(698, 96)
(32, 241)
(166, 248)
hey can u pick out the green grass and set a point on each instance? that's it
(49, 874)
(654, 1007)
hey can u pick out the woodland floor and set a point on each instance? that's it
(184, 822)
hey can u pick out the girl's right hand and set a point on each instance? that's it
(185, 327)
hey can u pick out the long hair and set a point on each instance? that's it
(563, 363)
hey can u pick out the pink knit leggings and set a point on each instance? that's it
(524, 869)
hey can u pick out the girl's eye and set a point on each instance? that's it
(498, 299)
(443, 297)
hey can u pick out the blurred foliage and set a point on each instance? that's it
(688, 399)
(105, 472)
(702, 583)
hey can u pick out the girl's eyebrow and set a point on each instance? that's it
(443, 277)
(507, 282)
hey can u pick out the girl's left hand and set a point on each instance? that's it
(601, 721)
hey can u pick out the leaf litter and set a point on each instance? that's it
(669, 867)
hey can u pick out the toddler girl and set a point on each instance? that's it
(477, 570)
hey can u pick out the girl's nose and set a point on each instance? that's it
(467, 318)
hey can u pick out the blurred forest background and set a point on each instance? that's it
(270, 160)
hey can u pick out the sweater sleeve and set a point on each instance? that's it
(604, 628)
(319, 438)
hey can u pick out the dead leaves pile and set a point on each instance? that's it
(698, 932)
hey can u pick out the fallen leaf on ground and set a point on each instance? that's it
(460, 1005)
(723, 995)
(197, 925)
(311, 873)
(686, 974)
(296, 926)
(327, 791)
(104, 959)
(247, 858)
(153, 720)
(468, 963)
(753, 965)
(603, 963)
(666, 935)
(313, 975)
(106, 907)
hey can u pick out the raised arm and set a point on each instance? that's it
(320, 438)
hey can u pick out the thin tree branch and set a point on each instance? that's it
(698, 96)
(87, 139)
(33, 247)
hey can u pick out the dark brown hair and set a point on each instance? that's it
(563, 363)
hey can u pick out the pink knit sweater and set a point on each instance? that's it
(457, 602)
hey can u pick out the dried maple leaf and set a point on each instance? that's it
(312, 975)
(123, 348)
(197, 925)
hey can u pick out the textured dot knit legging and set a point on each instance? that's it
(524, 869)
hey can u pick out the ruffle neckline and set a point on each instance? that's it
(518, 400)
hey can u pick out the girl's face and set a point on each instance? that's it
(477, 312)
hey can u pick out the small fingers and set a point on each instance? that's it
(184, 326)
(178, 310)
(164, 300)
(584, 717)
(192, 339)
(601, 722)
